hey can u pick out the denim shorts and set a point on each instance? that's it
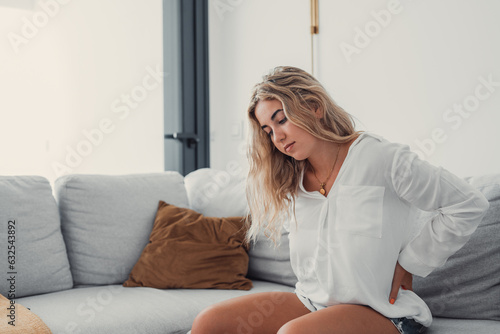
(403, 325)
(408, 325)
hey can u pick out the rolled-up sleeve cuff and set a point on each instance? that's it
(411, 263)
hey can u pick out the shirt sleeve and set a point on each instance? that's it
(458, 205)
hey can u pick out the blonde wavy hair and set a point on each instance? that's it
(273, 177)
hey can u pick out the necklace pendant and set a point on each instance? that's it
(322, 191)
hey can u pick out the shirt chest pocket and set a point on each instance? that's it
(359, 210)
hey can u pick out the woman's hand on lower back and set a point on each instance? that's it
(401, 279)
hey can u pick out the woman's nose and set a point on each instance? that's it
(279, 136)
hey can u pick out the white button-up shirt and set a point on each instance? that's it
(344, 247)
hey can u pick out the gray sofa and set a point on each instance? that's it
(77, 243)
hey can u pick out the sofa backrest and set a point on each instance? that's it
(34, 259)
(106, 220)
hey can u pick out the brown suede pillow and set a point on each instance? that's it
(187, 250)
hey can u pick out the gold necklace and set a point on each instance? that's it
(322, 190)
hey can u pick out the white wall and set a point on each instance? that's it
(429, 57)
(247, 38)
(65, 70)
(423, 61)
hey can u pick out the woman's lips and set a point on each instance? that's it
(288, 147)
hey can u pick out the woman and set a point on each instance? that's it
(351, 199)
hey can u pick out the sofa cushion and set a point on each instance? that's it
(106, 220)
(188, 250)
(463, 326)
(114, 309)
(30, 232)
(468, 285)
(219, 193)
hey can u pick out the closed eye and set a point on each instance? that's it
(283, 121)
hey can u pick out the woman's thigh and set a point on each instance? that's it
(258, 313)
(345, 319)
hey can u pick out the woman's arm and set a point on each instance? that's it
(460, 209)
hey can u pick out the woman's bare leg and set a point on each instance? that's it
(345, 319)
(259, 313)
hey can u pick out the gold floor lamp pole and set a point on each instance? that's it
(314, 28)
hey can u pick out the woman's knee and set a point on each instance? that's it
(292, 327)
(206, 322)
(252, 314)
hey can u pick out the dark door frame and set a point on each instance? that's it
(195, 134)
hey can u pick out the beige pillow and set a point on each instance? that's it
(22, 320)
(190, 251)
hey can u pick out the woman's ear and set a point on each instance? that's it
(319, 113)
